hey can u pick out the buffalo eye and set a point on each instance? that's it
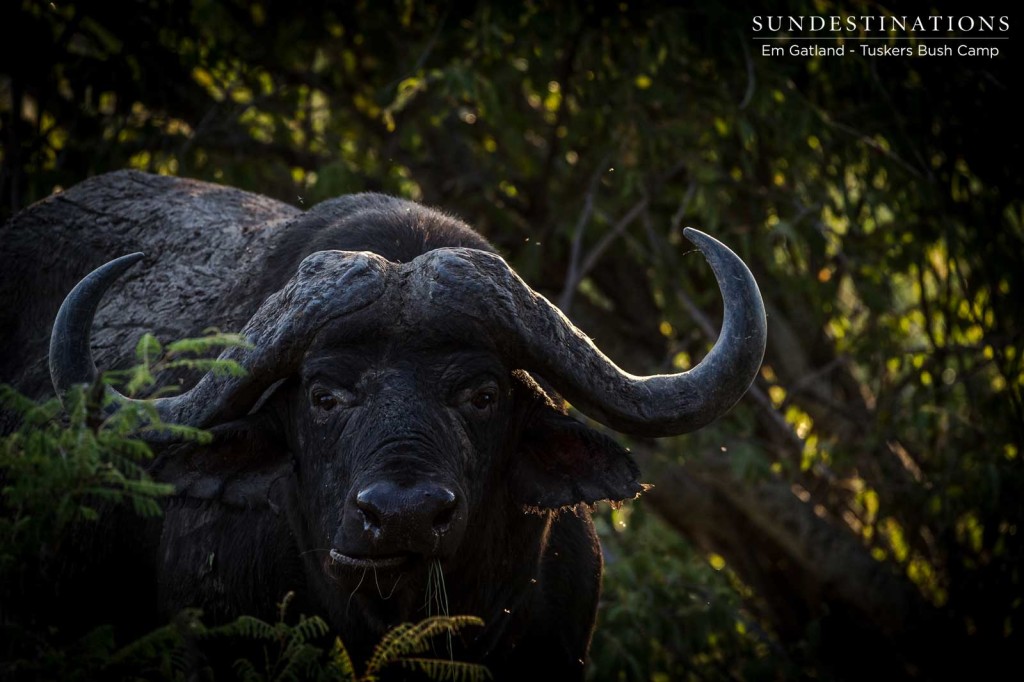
(484, 398)
(478, 400)
(324, 400)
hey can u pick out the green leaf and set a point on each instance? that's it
(147, 349)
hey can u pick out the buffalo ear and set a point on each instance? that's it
(238, 467)
(563, 463)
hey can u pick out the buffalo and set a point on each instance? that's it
(402, 417)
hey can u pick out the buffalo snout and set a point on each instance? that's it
(386, 519)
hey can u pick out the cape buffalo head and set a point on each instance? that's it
(402, 396)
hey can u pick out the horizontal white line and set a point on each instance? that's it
(854, 38)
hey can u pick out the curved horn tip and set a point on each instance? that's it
(702, 240)
(743, 338)
(733, 275)
(70, 353)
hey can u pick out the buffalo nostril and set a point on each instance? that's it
(442, 503)
(371, 520)
(443, 520)
(371, 512)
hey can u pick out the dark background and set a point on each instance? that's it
(859, 512)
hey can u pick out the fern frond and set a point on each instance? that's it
(15, 401)
(147, 487)
(249, 627)
(440, 669)
(435, 625)
(204, 344)
(148, 349)
(151, 645)
(414, 638)
(141, 378)
(131, 449)
(78, 407)
(246, 671)
(282, 606)
(301, 662)
(311, 628)
(189, 433)
(44, 417)
(396, 642)
(222, 367)
(146, 507)
(340, 662)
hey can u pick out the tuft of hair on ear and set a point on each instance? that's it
(578, 509)
(617, 504)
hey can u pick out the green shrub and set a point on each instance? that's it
(61, 468)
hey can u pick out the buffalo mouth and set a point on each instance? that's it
(388, 562)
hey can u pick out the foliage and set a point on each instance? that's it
(247, 649)
(304, 651)
(153, 359)
(55, 476)
(405, 642)
(664, 615)
(62, 467)
(878, 202)
(62, 470)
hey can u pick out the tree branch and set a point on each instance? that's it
(576, 274)
(572, 275)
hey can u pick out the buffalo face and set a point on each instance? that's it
(391, 447)
(401, 446)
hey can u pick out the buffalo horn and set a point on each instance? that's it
(328, 285)
(480, 285)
